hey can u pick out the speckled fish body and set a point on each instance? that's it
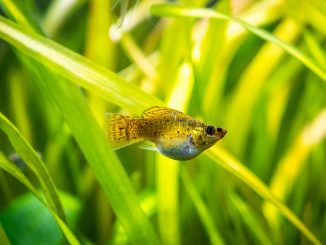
(175, 134)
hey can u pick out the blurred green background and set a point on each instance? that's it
(59, 177)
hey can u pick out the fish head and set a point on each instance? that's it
(185, 148)
(207, 136)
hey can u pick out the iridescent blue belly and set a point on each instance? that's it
(178, 150)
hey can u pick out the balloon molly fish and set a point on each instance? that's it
(173, 133)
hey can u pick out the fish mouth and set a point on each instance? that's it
(221, 132)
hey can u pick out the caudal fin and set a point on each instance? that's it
(116, 130)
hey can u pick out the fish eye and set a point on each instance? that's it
(210, 130)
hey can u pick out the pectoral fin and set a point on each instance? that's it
(147, 145)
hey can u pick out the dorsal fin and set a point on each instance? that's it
(161, 111)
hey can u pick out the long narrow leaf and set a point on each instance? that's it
(171, 10)
(77, 68)
(228, 162)
(103, 161)
(215, 236)
(75, 110)
(167, 169)
(16, 173)
(3, 237)
(31, 158)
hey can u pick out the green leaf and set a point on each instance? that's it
(26, 152)
(76, 68)
(171, 10)
(37, 225)
(228, 162)
(18, 37)
(167, 170)
(80, 120)
(203, 213)
(3, 236)
(15, 172)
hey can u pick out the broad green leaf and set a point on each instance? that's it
(38, 225)
(16, 173)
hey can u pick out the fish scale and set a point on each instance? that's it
(175, 134)
(168, 126)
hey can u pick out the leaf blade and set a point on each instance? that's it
(172, 10)
(77, 68)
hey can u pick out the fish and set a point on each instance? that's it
(170, 132)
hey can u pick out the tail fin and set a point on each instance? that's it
(116, 130)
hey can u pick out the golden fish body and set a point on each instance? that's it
(175, 134)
